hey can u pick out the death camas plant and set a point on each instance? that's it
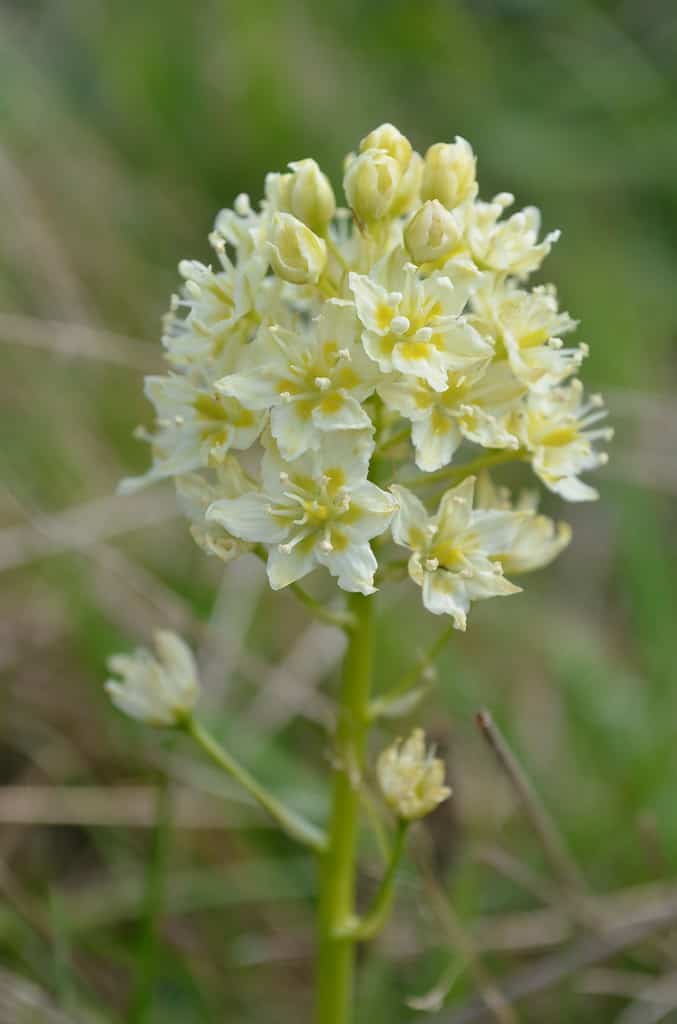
(340, 382)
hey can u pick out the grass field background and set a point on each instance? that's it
(139, 887)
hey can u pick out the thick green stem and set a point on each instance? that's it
(336, 953)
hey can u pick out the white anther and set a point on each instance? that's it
(394, 298)
(399, 324)
(344, 353)
(423, 334)
(284, 476)
(179, 420)
(504, 199)
(431, 564)
(556, 343)
(326, 545)
(242, 206)
(603, 459)
(285, 549)
(323, 383)
(285, 396)
(584, 349)
(596, 400)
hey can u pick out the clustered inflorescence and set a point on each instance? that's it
(340, 365)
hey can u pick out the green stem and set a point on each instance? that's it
(458, 473)
(368, 926)
(335, 971)
(340, 619)
(291, 822)
(156, 880)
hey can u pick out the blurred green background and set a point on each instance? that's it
(125, 126)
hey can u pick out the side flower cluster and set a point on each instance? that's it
(328, 354)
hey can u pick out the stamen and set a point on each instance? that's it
(394, 298)
(423, 334)
(399, 325)
(323, 383)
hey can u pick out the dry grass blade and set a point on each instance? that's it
(66, 339)
(550, 970)
(82, 526)
(554, 847)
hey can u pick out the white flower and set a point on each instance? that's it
(538, 539)
(196, 426)
(414, 326)
(454, 551)
(555, 427)
(528, 325)
(314, 380)
(318, 510)
(160, 690)
(411, 778)
(195, 494)
(507, 246)
(474, 406)
(215, 308)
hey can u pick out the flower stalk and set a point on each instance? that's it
(336, 912)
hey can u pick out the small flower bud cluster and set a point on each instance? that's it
(160, 690)
(334, 367)
(411, 777)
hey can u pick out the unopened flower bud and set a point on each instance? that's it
(311, 197)
(431, 233)
(449, 173)
(409, 191)
(388, 138)
(297, 254)
(278, 191)
(370, 183)
(160, 690)
(411, 778)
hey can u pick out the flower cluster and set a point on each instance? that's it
(334, 361)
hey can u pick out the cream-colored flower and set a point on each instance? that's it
(196, 493)
(314, 380)
(538, 539)
(475, 406)
(160, 690)
(559, 429)
(306, 193)
(297, 254)
(318, 510)
(371, 184)
(415, 326)
(196, 425)
(528, 325)
(432, 233)
(411, 778)
(214, 308)
(506, 246)
(449, 173)
(454, 552)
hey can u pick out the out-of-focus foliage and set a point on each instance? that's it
(124, 127)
